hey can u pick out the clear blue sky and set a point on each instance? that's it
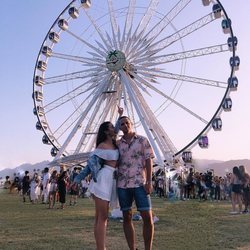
(24, 25)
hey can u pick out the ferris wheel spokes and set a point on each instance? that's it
(169, 98)
(80, 59)
(102, 86)
(99, 32)
(70, 96)
(157, 60)
(128, 23)
(185, 78)
(113, 22)
(168, 40)
(155, 31)
(91, 72)
(163, 140)
(167, 19)
(101, 53)
(90, 124)
(143, 24)
(98, 116)
(153, 73)
(159, 27)
(71, 119)
(139, 111)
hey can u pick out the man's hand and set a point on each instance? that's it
(120, 111)
(148, 187)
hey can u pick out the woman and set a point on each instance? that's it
(245, 187)
(53, 189)
(236, 182)
(62, 184)
(103, 188)
(35, 188)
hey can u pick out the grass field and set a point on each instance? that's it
(188, 225)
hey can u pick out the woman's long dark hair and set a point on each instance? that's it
(101, 135)
(237, 172)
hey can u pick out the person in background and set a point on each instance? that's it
(15, 183)
(46, 185)
(7, 182)
(217, 194)
(245, 187)
(53, 189)
(74, 191)
(135, 181)
(222, 189)
(62, 184)
(236, 182)
(35, 188)
(26, 185)
(84, 185)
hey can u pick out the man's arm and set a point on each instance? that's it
(149, 169)
(117, 124)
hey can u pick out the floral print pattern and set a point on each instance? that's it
(133, 156)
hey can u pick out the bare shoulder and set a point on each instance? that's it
(104, 145)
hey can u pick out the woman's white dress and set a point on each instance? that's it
(105, 186)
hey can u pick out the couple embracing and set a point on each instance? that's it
(122, 167)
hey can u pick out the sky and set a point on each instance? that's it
(24, 27)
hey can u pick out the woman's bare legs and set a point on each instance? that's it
(100, 226)
(239, 201)
(236, 199)
(233, 201)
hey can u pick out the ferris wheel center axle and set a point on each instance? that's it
(115, 60)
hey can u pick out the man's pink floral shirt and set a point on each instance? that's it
(131, 169)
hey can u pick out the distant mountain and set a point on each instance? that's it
(201, 165)
(22, 168)
(221, 167)
(204, 163)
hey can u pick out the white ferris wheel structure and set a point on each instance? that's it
(170, 64)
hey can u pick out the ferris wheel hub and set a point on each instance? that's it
(115, 60)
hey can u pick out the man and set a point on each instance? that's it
(26, 185)
(135, 181)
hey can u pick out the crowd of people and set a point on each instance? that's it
(48, 187)
(188, 184)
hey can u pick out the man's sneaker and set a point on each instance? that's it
(233, 212)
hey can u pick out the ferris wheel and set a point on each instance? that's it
(170, 64)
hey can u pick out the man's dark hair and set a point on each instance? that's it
(124, 116)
